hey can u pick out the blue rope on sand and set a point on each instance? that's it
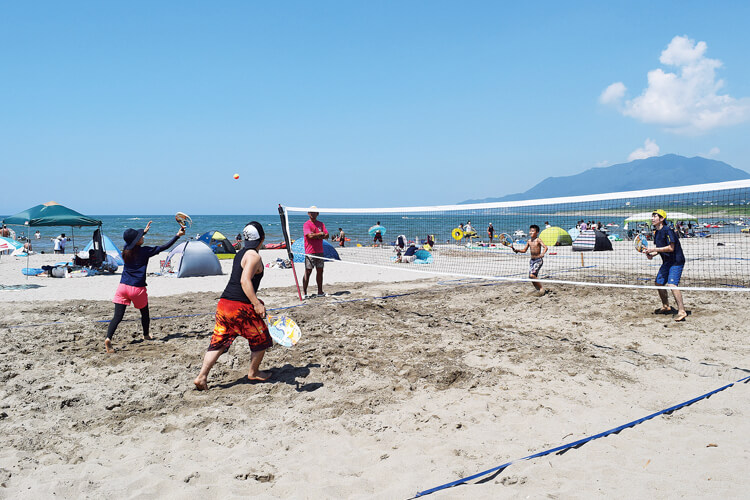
(207, 314)
(577, 444)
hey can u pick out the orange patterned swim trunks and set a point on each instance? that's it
(235, 319)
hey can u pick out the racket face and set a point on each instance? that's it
(183, 219)
(641, 243)
(505, 239)
(284, 330)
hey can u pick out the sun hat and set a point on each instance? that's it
(132, 237)
(313, 209)
(661, 213)
(253, 233)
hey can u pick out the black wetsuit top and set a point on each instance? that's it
(234, 290)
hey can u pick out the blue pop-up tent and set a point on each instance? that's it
(298, 248)
(195, 259)
(109, 248)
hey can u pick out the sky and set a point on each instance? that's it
(151, 107)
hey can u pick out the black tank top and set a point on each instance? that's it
(234, 290)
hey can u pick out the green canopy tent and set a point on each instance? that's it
(51, 214)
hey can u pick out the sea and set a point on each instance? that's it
(356, 227)
(415, 226)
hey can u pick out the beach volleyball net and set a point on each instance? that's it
(591, 239)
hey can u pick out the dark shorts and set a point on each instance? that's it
(235, 319)
(311, 261)
(378, 238)
(534, 266)
(669, 274)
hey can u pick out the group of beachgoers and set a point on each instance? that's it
(240, 313)
(583, 225)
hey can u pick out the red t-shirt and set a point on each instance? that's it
(313, 246)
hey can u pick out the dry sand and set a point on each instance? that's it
(381, 398)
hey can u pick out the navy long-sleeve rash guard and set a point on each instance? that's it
(134, 274)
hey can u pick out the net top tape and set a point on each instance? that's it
(716, 186)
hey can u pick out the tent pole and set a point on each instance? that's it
(284, 225)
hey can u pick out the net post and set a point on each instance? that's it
(282, 216)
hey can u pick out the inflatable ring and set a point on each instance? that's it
(457, 234)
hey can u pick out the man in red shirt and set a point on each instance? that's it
(315, 232)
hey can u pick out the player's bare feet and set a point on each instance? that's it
(681, 315)
(201, 383)
(108, 346)
(664, 310)
(259, 376)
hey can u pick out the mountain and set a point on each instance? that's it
(655, 172)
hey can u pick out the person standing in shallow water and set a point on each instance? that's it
(132, 286)
(240, 312)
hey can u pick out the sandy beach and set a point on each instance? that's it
(382, 397)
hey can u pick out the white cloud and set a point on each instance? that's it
(713, 152)
(613, 94)
(602, 163)
(649, 149)
(686, 101)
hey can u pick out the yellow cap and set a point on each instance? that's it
(661, 213)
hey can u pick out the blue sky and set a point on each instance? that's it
(151, 107)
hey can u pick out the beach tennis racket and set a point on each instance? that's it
(284, 331)
(506, 240)
(183, 219)
(641, 243)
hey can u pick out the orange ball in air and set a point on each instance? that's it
(236, 176)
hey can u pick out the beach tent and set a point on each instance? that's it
(109, 248)
(574, 232)
(9, 244)
(592, 240)
(194, 258)
(645, 217)
(555, 236)
(298, 249)
(219, 244)
(50, 214)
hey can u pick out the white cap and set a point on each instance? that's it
(251, 235)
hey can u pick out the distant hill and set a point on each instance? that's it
(655, 172)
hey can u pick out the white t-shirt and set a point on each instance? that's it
(57, 244)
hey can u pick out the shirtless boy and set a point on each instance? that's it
(538, 249)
